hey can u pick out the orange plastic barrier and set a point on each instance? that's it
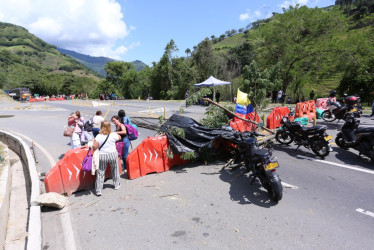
(33, 100)
(301, 110)
(242, 126)
(53, 99)
(306, 109)
(151, 156)
(67, 176)
(60, 99)
(312, 110)
(274, 118)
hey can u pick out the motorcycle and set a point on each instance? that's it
(314, 137)
(259, 162)
(351, 104)
(361, 139)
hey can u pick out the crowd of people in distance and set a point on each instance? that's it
(99, 132)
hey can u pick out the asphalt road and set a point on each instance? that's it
(327, 204)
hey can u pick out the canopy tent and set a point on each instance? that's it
(211, 82)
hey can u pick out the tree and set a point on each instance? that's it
(161, 77)
(121, 75)
(297, 39)
(188, 51)
(257, 82)
(204, 60)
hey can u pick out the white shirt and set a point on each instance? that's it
(96, 121)
(110, 144)
(280, 93)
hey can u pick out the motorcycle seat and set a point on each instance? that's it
(364, 130)
(314, 129)
(261, 152)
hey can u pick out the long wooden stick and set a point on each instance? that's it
(228, 111)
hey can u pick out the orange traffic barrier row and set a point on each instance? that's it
(274, 118)
(306, 109)
(67, 176)
(242, 126)
(151, 156)
(36, 100)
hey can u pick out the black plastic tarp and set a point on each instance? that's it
(196, 137)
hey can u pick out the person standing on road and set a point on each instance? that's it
(372, 109)
(186, 97)
(274, 96)
(121, 130)
(96, 123)
(311, 95)
(105, 142)
(280, 95)
(75, 122)
(218, 95)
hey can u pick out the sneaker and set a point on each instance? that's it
(98, 193)
(117, 187)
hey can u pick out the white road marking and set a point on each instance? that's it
(153, 110)
(286, 185)
(363, 211)
(345, 166)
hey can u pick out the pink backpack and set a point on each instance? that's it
(132, 132)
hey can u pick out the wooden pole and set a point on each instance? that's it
(228, 111)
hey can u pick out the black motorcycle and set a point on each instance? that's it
(259, 162)
(314, 137)
(361, 139)
(337, 110)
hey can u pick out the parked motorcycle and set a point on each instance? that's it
(351, 104)
(314, 137)
(259, 162)
(361, 139)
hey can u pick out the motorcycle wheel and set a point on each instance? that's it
(321, 149)
(328, 116)
(283, 137)
(275, 190)
(340, 141)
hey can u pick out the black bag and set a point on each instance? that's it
(88, 126)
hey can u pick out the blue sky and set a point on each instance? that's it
(131, 30)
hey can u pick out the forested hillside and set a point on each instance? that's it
(27, 61)
(298, 50)
(97, 64)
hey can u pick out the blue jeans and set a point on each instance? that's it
(95, 131)
(125, 152)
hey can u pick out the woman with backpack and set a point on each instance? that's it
(121, 130)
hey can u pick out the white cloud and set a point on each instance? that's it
(86, 26)
(287, 3)
(245, 16)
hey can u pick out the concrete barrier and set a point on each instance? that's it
(16, 144)
(5, 181)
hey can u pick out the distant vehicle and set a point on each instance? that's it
(20, 94)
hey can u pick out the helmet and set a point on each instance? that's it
(332, 93)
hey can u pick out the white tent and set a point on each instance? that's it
(211, 82)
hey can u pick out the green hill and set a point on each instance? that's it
(316, 49)
(97, 64)
(28, 61)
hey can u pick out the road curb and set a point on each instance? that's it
(16, 144)
(5, 183)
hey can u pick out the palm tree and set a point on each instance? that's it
(187, 51)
